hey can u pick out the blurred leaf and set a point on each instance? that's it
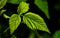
(57, 6)
(23, 7)
(46, 35)
(32, 35)
(35, 34)
(43, 5)
(15, 1)
(34, 21)
(2, 11)
(14, 22)
(0, 36)
(13, 36)
(2, 3)
(56, 34)
(6, 16)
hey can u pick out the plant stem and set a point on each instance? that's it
(5, 30)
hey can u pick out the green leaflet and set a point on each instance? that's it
(15, 1)
(2, 11)
(43, 5)
(34, 21)
(56, 34)
(14, 22)
(23, 7)
(2, 3)
(6, 16)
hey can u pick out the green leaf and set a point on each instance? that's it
(14, 22)
(15, 1)
(23, 7)
(56, 34)
(5, 16)
(2, 3)
(34, 21)
(43, 5)
(2, 11)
